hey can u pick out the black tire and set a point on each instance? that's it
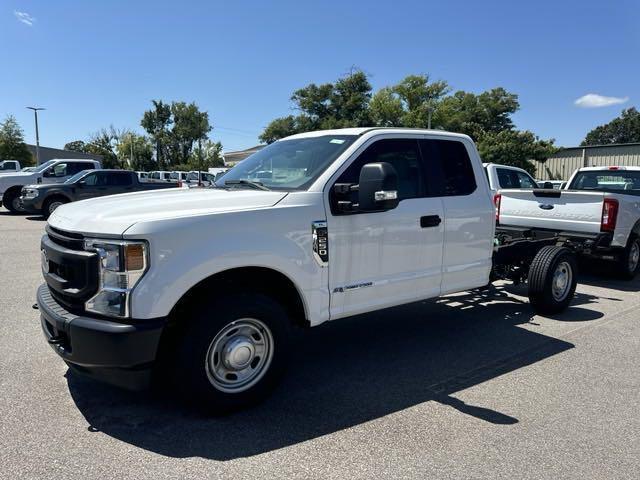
(628, 264)
(546, 298)
(8, 200)
(193, 376)
(50, 203)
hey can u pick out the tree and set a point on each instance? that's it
(476, 115)
(513, 147)
(12, 146)
(386, 109)
(136, 151)
(76, 146)
(342, 104)
(104, 143)
(190, 125)
(623, 129)
(156, 122)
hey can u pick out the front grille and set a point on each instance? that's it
(74, 241)
(71, 272)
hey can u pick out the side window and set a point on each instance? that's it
(60, 170)
(90, 180)
(507, 179)
(86, 166)
(525, 181)
(403, 154)
(75, 167)
(119, 179)
(448, 161)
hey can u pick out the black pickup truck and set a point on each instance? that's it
(45, 198)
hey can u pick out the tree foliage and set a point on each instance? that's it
(12, 146)
(342, 104)
(136, 151)
(486, 117)
(623, 129)
(514, 147)
(76, 146)
(175, 128)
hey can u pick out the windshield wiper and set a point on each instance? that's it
(251, 183)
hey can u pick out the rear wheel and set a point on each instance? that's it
(232, 356)
(552, 279)
(51, 204)
(629, 261)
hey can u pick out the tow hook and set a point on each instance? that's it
(55, 340)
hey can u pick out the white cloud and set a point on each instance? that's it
(24, 17)
(593, 100)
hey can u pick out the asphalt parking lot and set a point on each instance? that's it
(470, 386)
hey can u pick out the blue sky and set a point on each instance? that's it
(93, 64)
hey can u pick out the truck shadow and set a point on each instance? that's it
(344, 374)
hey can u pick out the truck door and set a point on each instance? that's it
(468, 210)
(386, 258)
(91, 185)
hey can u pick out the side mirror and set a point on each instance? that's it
(82, 183)
(548, 185)
(377, 187)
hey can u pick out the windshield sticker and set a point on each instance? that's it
(339, 141)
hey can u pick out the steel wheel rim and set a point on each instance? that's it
(17, 204)
(562, 280)
(54, 205)
(634, 256)
(239, 355)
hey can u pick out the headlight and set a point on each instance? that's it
(29, 192)
(122, 265)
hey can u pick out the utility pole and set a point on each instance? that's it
(131, 159)
(35, 113)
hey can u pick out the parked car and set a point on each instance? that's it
(506, 176)
(53, 171)
(159, 176)
(178, 177)
(143, 176)
(8, 166)
(45, 199)
(205, 178)
(599, 210)
(341, 222)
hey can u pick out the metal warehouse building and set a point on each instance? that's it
(561, 165)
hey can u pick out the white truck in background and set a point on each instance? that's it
(9, 166)
(599, 211)
(506, 176)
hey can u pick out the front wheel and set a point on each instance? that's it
(552, 279)
(233, 355)
(51, 205)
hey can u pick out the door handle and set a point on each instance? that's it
(430, 221)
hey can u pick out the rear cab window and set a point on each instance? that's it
(619, 181)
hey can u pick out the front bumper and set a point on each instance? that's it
(112, 352)
(31, 205)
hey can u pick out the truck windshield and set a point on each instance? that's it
(620, 181)
(287, 164)
(44, 166)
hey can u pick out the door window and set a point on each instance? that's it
(514, 179)
(59, 170)
(91, 179)
(402, 154)
(118, 179)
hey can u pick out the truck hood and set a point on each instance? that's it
(113, 215)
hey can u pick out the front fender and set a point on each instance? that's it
(186, 251)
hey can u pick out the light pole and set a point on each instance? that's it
(35, 113)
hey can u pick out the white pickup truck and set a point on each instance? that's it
(599, 212)
(53, 171)
(204, 285)
(9, 166)
(506, 176)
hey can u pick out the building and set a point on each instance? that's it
(561, 165)
(232, 158)
(47, 153)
